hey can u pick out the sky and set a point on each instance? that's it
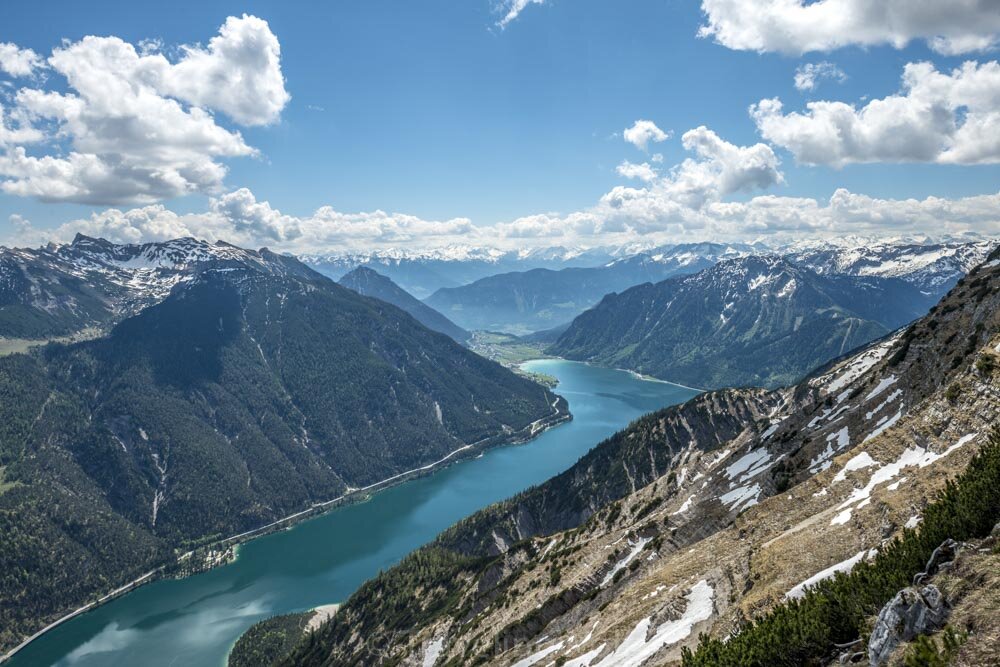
(359, 124)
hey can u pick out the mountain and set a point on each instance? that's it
(934, 267)
(525, 301)
(61, 289)
(255, 389)
(729, 515)
(369, 283)
(422, 273)
(755, 320)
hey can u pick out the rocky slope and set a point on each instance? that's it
(369, 283)
(245, 395)
(756, 320)
(704, 529)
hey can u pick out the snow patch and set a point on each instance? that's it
(745, 494)
(859, 462)
(881, 386)
(636, 649)
(636, 548)
(538, 657)
(846, 566)
(433, 652)
(685, 507)
(841, 518)
(884, 424)
(913, 456)
(889, 399)
(747, 461)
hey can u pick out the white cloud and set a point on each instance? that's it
(643, 132)
(139, 128)
(511, 9)
(16, 61)
(248, 216)
(238, 74)
(946, 118)
(798, 26)
(808, 76)
(624, 215)
(721, 169)
(643, 172)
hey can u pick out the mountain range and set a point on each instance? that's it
(755, 320)
(526, 301)
(780, 524)
(232, 388)
(423, 273)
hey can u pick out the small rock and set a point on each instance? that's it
(912, 612)
(943, 554)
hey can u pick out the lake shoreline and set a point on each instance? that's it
(561, 415)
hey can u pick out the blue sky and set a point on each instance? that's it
(429, 108)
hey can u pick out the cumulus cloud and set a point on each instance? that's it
(257, 219)
(651, 214)
(511, 9)
(643, 172)
(16, 61)
(938, 117)
(643, 132)
(800, 26)
(138, 127)
(808, 76)
(720, 169)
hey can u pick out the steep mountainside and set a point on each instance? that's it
(756, 320)
(243, 397)
(61, 289)
(369, 283)
(705, 516)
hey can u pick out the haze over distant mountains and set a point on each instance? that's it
(541, 289)
(368, 282)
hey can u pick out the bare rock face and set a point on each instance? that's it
(912, 612)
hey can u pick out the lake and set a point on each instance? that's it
(194, 622)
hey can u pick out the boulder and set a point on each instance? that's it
(914, 611)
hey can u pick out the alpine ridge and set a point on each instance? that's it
(756, 320)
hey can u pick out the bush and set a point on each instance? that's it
(986, 364)
(926, 653)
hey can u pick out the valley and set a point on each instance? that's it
(325, 559)
(500, 333)
(707, 516)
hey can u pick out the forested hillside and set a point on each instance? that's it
(752, 321)
(242, 397)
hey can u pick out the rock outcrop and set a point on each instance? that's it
(914, 611)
